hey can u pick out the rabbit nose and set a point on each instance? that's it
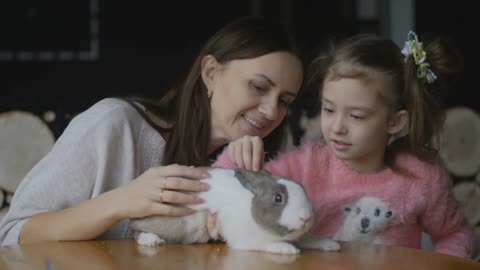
(306, 220)
(365, 222)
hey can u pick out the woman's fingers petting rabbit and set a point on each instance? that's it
(162, 191)
(247, 152)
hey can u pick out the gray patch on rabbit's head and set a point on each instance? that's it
(269, 199)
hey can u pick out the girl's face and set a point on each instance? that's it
(355, 122)
(250, 96)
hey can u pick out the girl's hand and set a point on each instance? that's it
(160, 191)
(214, 227)
(247, 152)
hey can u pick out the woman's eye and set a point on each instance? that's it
(278, 198)
(257, 87)
(285, 103)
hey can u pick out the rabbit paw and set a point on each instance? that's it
(282, 248)
(312, 242)
(148, 251)
(149, 239)
(328, 245)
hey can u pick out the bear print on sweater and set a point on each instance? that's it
(364, 220)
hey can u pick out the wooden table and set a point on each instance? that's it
(126, 254)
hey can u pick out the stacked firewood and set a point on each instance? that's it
(24, 139)
(460, 150)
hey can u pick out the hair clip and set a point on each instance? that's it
(414, 47)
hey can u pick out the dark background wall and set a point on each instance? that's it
(63, 56)
(457, 20)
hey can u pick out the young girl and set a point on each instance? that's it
(366, 181)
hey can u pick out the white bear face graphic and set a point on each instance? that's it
(364, 219)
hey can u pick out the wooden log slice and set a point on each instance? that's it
(460, 143)
(24, 140)
(468, 194)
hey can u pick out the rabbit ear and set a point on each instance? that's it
(264, 172)
(252, 181)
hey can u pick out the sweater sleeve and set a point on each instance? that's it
(224, 161)
(444, 218)
(72, 172)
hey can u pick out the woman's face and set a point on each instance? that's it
(250, 96)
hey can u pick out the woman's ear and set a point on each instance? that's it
(210, 67)
(397, 122)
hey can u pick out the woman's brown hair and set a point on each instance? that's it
(187, 106)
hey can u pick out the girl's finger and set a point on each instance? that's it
(211, 225)
(258, 155)
(238, 156)
(247, 154)
(231, 152)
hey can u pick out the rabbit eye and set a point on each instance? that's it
(377, 212)
(358, 210)
(278, 198)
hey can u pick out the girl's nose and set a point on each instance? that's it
(339, 125)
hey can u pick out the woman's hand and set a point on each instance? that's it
(160, 191)
(247, 152)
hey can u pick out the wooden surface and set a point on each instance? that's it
(126, 254)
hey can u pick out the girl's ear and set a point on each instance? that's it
(397, 122)
(210, 67)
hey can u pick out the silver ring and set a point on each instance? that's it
(161, 195)
(164, 182)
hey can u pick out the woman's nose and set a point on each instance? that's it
(269, 108)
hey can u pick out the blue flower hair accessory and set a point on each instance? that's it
(414, 47)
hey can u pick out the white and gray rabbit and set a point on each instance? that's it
(257, 211)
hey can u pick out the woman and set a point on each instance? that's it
(123, 159)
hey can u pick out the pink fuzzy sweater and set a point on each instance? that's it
(424, 203)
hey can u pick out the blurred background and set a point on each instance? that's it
(62, 56)
(59, 57)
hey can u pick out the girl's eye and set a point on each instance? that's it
(328, 110)
(278, 199)
(357, 117)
